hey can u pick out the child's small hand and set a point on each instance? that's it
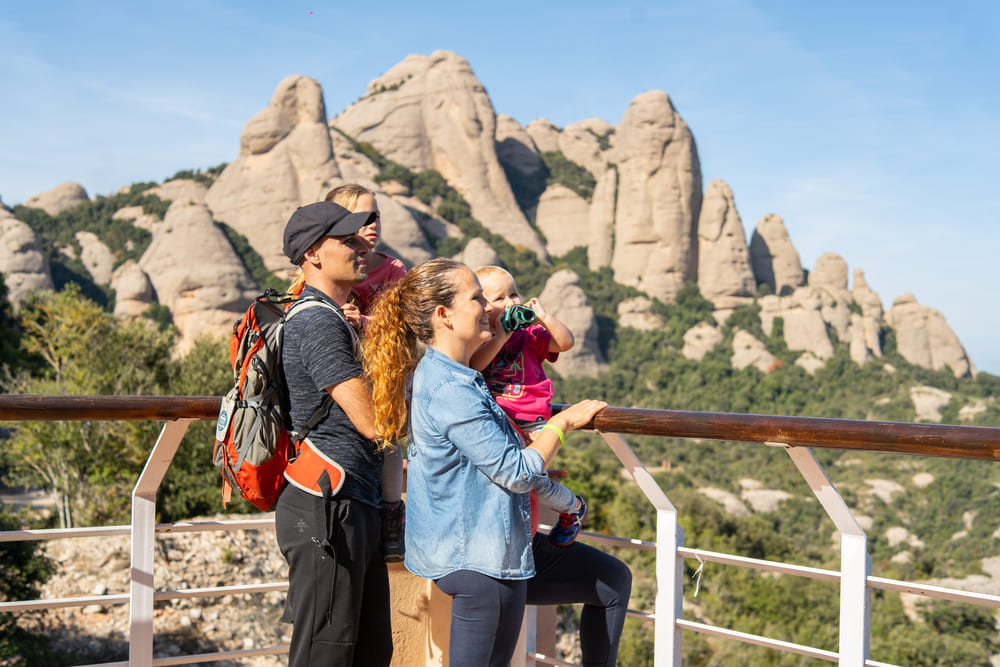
(562, 337)
(536, 306)
(352, 314)
(496, 324)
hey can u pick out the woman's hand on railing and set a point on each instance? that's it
(577, 415)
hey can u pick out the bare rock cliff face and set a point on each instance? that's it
(774, 259)
(134, 292)
(564, 298)
(431, 112)
(659, 198)
(196, 274)
(183, 190)
(829, 279)
(803, 325)
(545, 134)
(23, 263)
(478, 253)
(286, 160)
(871, 312)
(58, 199)
(925, 339)
(700, 339)
(748, 351)
(563, 217)
(723, 257)
(515, 147)
(636, 313)
(96, 257)
(589, 144)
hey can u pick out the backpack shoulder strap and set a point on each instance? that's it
(312, 301)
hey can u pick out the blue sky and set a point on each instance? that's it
(872, 128)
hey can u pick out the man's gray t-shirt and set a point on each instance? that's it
(318, 352)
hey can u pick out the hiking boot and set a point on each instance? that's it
(565, 531)
(393, 522)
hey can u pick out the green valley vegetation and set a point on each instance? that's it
(944, 506)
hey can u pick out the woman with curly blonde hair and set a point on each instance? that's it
(469, 517)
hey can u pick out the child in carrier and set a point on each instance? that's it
(383, 270)
(511, 364)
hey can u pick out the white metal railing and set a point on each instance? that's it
(854, 578)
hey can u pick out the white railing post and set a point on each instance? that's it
(669, 562)
(669, 590)
(141, 587)
(855, 563)
(524, 652)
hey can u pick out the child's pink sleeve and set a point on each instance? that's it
(538, 342)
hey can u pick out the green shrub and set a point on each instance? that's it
(253, 262)
(564, 171)
(206, 177)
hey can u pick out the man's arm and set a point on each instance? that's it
(354, 396)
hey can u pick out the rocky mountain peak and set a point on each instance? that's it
(433, 113)
(630, 194)
(23, 263)
(286, 159)
(775, 260)
(58, 199)
(298, 99)
(723, 256)
(659, 198)
(925, 339)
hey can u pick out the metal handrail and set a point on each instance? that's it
(980, 443)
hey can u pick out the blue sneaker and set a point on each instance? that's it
(565, 531)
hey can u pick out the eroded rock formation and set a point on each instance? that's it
(134, 292)
(196, 274)
(286, 160)
(659, 198)
(431, 112)
(23, 263)
(924, 338)
(58, 199)
(774, 259)
(96, 257)
(564, 298)
(723, 257)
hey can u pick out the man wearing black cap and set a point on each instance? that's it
(338, 586)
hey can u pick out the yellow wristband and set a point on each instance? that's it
(562, 436)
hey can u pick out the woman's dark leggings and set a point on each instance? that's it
(486, 612)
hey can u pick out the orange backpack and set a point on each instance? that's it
(253, 438)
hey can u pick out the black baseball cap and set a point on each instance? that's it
(312, 222)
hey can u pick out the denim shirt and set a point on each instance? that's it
(467, 478)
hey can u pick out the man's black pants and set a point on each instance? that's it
(338, 585)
